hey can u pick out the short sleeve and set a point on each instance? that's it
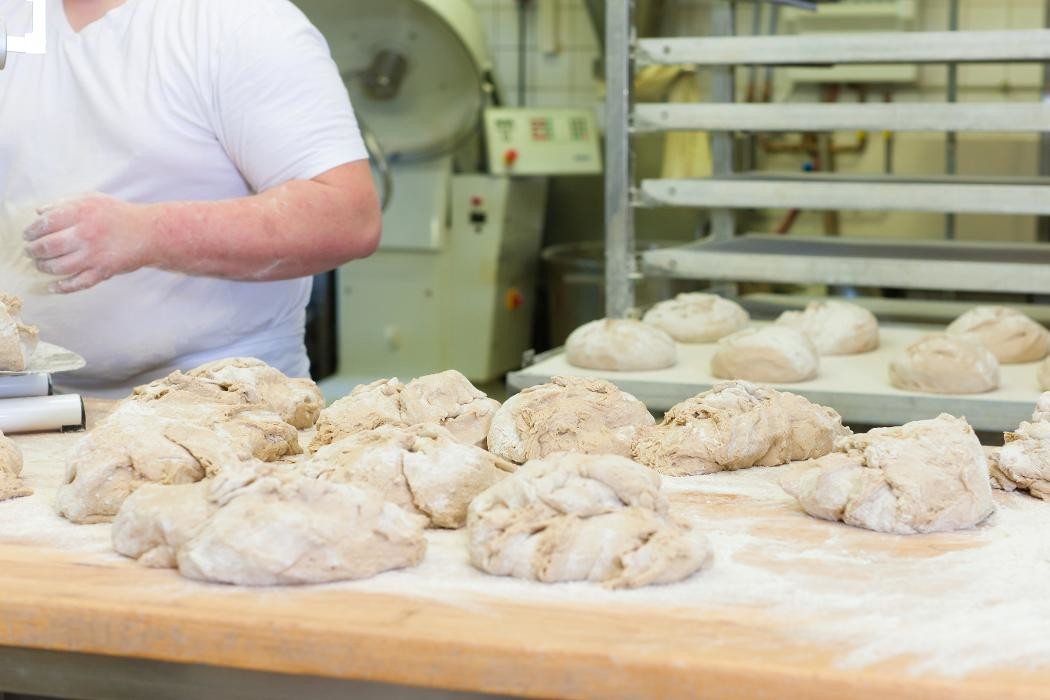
(281, 110)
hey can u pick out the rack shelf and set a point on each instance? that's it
(860, 48)
(968, 117)
(965, 266)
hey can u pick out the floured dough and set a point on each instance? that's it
(925, 476)
(621, 345)
(697, 317)
(447, 399)
(944, 364)
(17, 340)
(767, 354)
(1023, 462)
(835, 327)
(1010, 335)
(259, 525)
(572, 517)
(569, 414)
(737, 425)
(167, 432)
(421, 468)
(11, 485)
(297, 401)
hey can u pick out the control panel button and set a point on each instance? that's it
(510, 156)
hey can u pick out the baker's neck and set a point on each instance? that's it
(81, 13)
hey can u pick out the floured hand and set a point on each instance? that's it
(88, 239)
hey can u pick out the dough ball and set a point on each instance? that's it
(698, 318)
(1043, 375)
(447, 399)
(11, 485)
(164, 442)
(570, 414)
(261, 526)
(572, 517)
(1023, 462)
(1011, 336)
(737, 425)
(768, 354)
(620, 345)
(297, 401)
(945, 364)
(926, 476)
(421, 468)
(17, 340)
(835, 327)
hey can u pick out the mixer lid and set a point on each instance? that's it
(418, 71)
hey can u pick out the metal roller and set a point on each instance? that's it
(42, 414)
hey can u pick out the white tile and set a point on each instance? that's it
(553, 72)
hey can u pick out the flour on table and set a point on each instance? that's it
(420, 468)
(262, 525)
(737, 425)
(943, 364)
(572, 517)
(835, 327)
(17, 340)
(1012, 336)
(620, 345)
(697, 317)
(446, 398)
(11, 485)
(568, 414)
(924, 476)
(166, 431)
(769, 354)
(1023, 462)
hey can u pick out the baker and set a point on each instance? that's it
(172, 172)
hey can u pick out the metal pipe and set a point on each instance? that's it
(523, 52)
(951, 139)
(619, 217)
(723, 89)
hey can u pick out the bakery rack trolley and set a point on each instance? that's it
(729, 256)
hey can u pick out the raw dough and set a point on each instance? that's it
(1023, 462)
(620, 345)
(447, 398)
(572, 517)
(925, 476)
(421, 468)
(261, 525)
(570, 414)
(835, 327)
(737, 425)
(944, 364)
(1011, 336)
(11, 485)
(1043, 375)
(697, 317)
(166, 433)
(17, 340)
(297, 401)
(768, 354)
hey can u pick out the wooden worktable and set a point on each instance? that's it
(727, 633)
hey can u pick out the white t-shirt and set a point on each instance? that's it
(166, 100)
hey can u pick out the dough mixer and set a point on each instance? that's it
(34, 42)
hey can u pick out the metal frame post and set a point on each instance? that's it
(951, 141)
(619, 217)
(723, 89)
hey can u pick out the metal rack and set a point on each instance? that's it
(725, 256)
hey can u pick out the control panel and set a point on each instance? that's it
(542, 141)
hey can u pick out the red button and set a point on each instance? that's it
(476, 201)
(510, 157)
(515, 300)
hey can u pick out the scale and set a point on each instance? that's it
(34, 42)
(453, 282)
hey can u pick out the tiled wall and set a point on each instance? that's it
(564, 78)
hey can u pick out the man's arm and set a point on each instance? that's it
(297, 229)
